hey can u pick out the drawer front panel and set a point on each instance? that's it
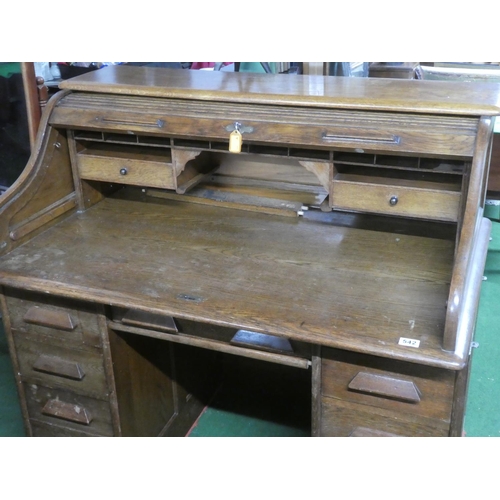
(396, 200)
(126, 171)
(53, 319)
(69, 410)
(79, 370)
(392, 385)
(344, 419)
(44, 429)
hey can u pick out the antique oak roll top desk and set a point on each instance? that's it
(171, 219)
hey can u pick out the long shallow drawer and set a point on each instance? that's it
(53, 319)
(428, 200)
(79, 370)
(213, 337)
(138, 166)
(393, 385)
(345, 419)
(69, 410)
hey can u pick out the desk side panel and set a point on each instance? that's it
(44, 193)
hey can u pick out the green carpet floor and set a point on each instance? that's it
(482, 416)
(11, 423)
(231, 414)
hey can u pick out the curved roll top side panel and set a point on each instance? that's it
(45, 190)
(471, 236)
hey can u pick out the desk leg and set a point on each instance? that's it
(316, 391)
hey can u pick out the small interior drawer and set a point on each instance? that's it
(345, 419)
(67, 409)
(127, 165)
(383, 383)
(79, 370)
(53, 319)
(401, 197)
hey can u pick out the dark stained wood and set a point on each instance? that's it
(142, 373)
(343, 418)
(58, 366)
(316, 391)
(382, 385)
(299, 90)
(435, 386)
(405, 70)
(365, 432)
(494, 177)
(262, 341)
(281, 126)
(32, 97)
(139, 249)
(84, 335)
(47, 317)
(15, 362)
(215, 345)
(147, 320)
(466, 254)
(331, 290)
(67, 411)
(46, 181)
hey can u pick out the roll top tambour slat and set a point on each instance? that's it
(452, 136)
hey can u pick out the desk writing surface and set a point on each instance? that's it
(378, 94)
(306, 280)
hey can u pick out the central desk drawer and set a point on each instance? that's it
(138, 166)
(213, 337)
(401, 197)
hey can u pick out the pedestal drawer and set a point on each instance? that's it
(343, 419)
(69, 410)
(407, 388)
(56, 320)
(78, 370)
(44, 429)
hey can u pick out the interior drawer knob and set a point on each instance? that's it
(123, 171)
(393, 201)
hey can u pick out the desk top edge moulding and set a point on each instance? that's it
(329, 224)
(301, 90)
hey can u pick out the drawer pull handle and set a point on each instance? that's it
(150, 320)
(372, 139)
(123, 171)
(153, 124)
(58, 366)
(388, 387)
(67, 411)
(393, 201)
(60, 320)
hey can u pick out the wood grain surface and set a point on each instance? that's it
(302, 90)
(346, 287)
